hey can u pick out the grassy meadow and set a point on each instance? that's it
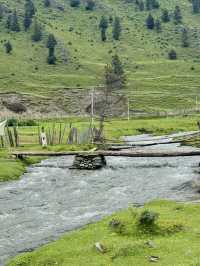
(173, 240)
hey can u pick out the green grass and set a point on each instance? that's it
(175, 243)
(12, 169)
(114, 129)
(154, 82)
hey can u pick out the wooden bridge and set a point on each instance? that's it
(121, 153)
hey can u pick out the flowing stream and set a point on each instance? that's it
(51, 199)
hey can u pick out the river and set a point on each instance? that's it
(51, 199)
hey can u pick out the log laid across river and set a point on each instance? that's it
(129, 153)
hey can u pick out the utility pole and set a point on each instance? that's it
(128, 111)
(92, 108)
(196, 103)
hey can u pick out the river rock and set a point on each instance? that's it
(88, 162)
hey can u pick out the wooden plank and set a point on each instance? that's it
(133, 153)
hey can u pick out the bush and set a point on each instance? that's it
(27, 123)
(23, 123)
(147, 220)
(117, 226)
(75, 3)
(172, 55)
(90, 5)
(12, 122)
(51, 60)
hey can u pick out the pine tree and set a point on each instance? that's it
(148, 5)
(47, 3)
(29, 13)
(9, 21)
(14, 22)
(51, 59)
(165, 15)
(150, 22)
(114, 74)
(27, 21)
(116, 29)
(8, 47)
(29, 8)
(185, 38)
(75, 3)
(103, 25)
(155, 4)
(110, 78)
(196, 6)
(51, 43)
(117, 65)
(90, 5)
(158, 26)
(37, 32)
(152, 4)
(172, 55)
(103, 35)
(1, 12)
(141, 5)
(119, 71)
(177, 15)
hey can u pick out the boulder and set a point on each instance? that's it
(88, 162)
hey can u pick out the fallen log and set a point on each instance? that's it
(130, 153)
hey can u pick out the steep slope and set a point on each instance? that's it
(154, 82)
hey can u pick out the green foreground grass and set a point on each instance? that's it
(11, 169)
(175, 241)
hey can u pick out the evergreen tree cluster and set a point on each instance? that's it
(166, 16)
(89, 4)
(196, 6)
(115, 77)
(27, 20)
(116, 28)
(146, 4)
(152, 23)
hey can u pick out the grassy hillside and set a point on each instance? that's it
(154, 82)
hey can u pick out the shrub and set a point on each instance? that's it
(12, 122)
(23, 123)
(75, 3)
(172, 55)
(147, 220)
(27, 123)
(90, 5)
(117, 226)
